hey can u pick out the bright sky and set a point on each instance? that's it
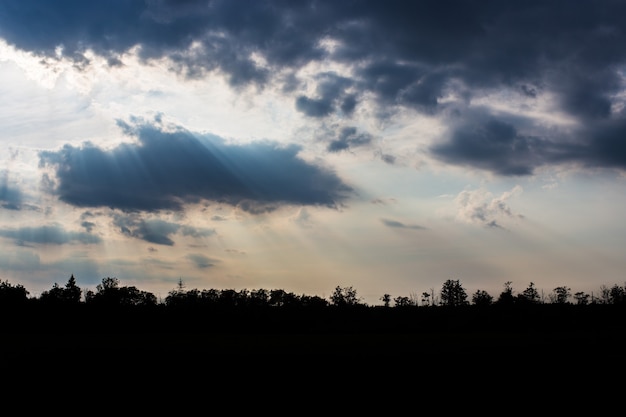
(387, 146)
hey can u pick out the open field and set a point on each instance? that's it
(356, 349)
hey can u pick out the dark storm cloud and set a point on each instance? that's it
(224, 34)
(47, 235)
(498, 146)
(402, 54)
(348, 138)
(603, 144)
(167, 169)
(405, 84)
(493, 145)
(331, 94)
(314, 107)
(406, 51)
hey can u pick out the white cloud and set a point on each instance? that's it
(481, 207)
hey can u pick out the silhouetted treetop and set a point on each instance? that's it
(109, 293)
(12, 295)
(453, 294)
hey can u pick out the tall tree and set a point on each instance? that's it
(530, 295)
(453, 294)
(72, 292)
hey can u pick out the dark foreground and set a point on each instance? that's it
(394, 351)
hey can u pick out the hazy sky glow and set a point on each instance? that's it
(388, 146)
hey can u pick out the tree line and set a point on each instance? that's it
(452, 294)
(112, 308)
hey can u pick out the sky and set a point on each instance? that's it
(304, 145)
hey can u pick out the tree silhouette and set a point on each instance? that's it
(109, 293)
(72, 292)
(259, 298)
(402, 301)
(53, 295)
(530, 295)
(560, 295)
(68, 295)
(278, 298)
(453, 294)
(506, 296)
(581, 298)
(616, 295)
(482, 298)
(386, 299)
(344, 297)
(12, 295)
(313, 301)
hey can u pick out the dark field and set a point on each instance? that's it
(572, 344)
(305, 367)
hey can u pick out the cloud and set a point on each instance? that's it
(405, 84)
(155, 230)
(405, 53)
(196, 232)
(602, 144)
(388, 159)
(303, 218)
(235, 251)
(167, 169)
(11, 196)
(427, 56)
(400, 225)
(349, 138)
(201, 261)
(494, 146)
(481, 207)
(20, 260)
(88, 226)
(331, 91)
(47, 235)
(499, 147)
